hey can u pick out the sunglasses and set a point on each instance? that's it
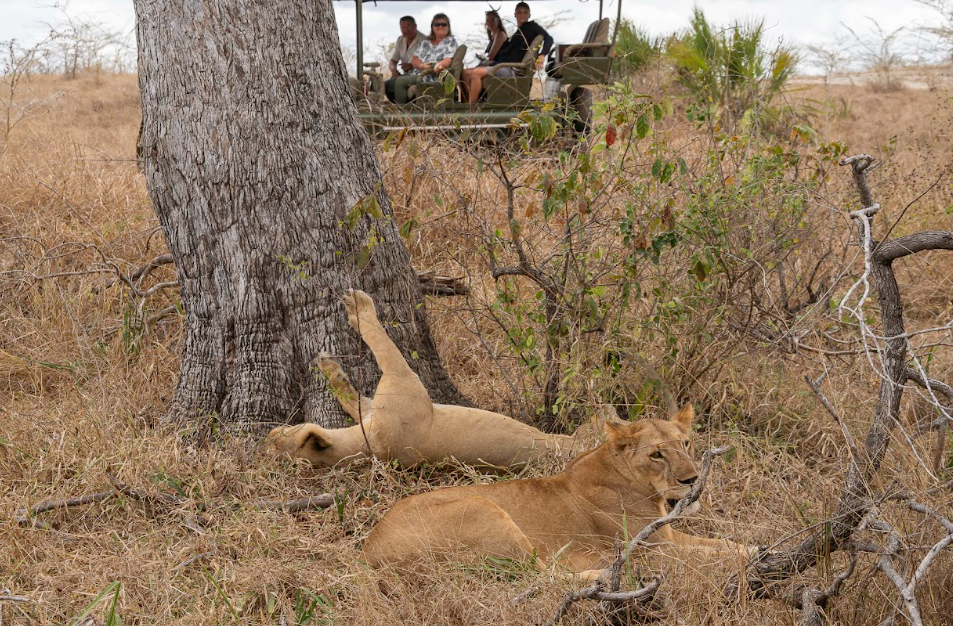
(440, 24)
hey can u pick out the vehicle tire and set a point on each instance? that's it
(580, 101)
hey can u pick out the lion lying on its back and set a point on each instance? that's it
(574, 516)
(401, 423)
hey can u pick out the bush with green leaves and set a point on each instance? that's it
(634, 253)
(635, 49)
(732, 74)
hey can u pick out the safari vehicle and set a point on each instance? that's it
(572, 70)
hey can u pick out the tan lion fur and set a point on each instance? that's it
(401, 423)
(577, 514)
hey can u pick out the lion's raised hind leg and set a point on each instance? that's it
(401, 402)
(353, 403)
(362, 316)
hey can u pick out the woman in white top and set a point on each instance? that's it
(436, 52)
(473, 78)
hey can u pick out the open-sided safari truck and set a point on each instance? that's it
(572, 69)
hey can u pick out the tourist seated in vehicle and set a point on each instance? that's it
(473, 77)
(405, 47)
(434, 53)
(516, 46)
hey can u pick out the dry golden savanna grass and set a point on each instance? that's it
(83, 387)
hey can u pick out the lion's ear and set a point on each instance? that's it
(620, 433)
(606, 413)
(316, 439)
(615, 431)
(684, 418)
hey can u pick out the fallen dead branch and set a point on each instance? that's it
(894, 552)
(7, 596)
(856, 499)
(308, 503)
(433, 285)
(25, 516)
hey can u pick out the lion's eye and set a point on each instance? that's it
(657, 455)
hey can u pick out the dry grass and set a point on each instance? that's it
(82, 387)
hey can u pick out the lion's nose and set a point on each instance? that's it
(688, 481)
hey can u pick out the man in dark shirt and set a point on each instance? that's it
(515, 47)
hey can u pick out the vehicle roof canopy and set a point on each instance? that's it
(360, 21)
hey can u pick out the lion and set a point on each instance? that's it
(402, 424)
(572, 518)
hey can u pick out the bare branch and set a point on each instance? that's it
(24, 516)
(815, 386)
(911, 244)
(322, 501)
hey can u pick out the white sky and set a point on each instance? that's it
(794, 21)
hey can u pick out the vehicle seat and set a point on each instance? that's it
(371, 88)
(512, 90)
(586, 63)
(432, 93)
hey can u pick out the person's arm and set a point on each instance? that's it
(394, 58)
(498, 40)
(449, 47)
(547, 41)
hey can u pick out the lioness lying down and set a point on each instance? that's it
(621, 485)
(401, 423)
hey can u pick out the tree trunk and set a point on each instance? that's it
(255, 161)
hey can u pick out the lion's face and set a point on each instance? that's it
(308, 441)
(657, 454)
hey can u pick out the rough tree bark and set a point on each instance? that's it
(254, 158)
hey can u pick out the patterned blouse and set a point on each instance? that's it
(430, 53)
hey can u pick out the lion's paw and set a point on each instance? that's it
(333, 370)
(358, 305)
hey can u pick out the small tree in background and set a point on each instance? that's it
(880, 52)
(731, 73)
(635, 48)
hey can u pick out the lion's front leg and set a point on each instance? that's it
(353, 403)
(706, 545)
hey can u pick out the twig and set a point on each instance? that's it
(595, 592)
(908, 589)
(194, 558)
(126, 490)
(307, 503)
(433, 285)
(25, 517)
(6, 596)
(814, 601)
(815, 387)
(145, 270)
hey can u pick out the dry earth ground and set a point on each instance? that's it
(82, 389)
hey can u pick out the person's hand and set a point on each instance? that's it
(540, 62)
(406, 66)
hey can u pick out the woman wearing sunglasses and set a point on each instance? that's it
(435, 52)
